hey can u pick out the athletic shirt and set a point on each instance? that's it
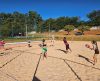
(2, 43)
(65, 42)
(95, 46)
(44, 44)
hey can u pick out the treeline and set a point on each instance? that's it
(16, 23)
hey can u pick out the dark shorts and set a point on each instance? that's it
(96, 51)
(67, 47)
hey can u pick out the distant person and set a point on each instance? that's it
(96, 50)
(2, 43)
(66, 44)
(52, 40)
(29, 43)
(44, 48)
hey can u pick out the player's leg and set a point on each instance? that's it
(70, 49)
(94, 59)
(45, 54)
(66, 49)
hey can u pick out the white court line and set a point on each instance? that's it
(20, 42)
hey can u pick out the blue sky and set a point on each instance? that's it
(52, 8)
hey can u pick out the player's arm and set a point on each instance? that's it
(93, 47)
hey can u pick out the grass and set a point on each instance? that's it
(89, 35)
(80, 38)
(57, 37)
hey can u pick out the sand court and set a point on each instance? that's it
(27, 64)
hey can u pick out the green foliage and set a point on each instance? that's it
(94, 18)
(83, 28)
(11, 24)
(69, 28)
(59, 23)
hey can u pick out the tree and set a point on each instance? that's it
(83, 28)
(69, 28)
(5, 31)
(74, 21)
(11, 24)
(35, 21)
(48, 25)
(94, 18)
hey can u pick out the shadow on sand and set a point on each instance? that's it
(62, 50)
(35, 79)
(87, 59)
(78, 77)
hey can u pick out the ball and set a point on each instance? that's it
(40, 45)
(87, 45)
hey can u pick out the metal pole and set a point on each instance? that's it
(49, 31)
(26, 30)
(26, 25)
(12, 27)
(0, 25)
(35, 25)
(12, 30)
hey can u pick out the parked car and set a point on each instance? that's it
(78, 33)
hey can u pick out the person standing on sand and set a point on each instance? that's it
(2, 44)
(52, 40)
(66, 44)
(44, 49)
(96, 50)
(29, 43)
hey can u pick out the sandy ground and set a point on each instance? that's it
(27, 64)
